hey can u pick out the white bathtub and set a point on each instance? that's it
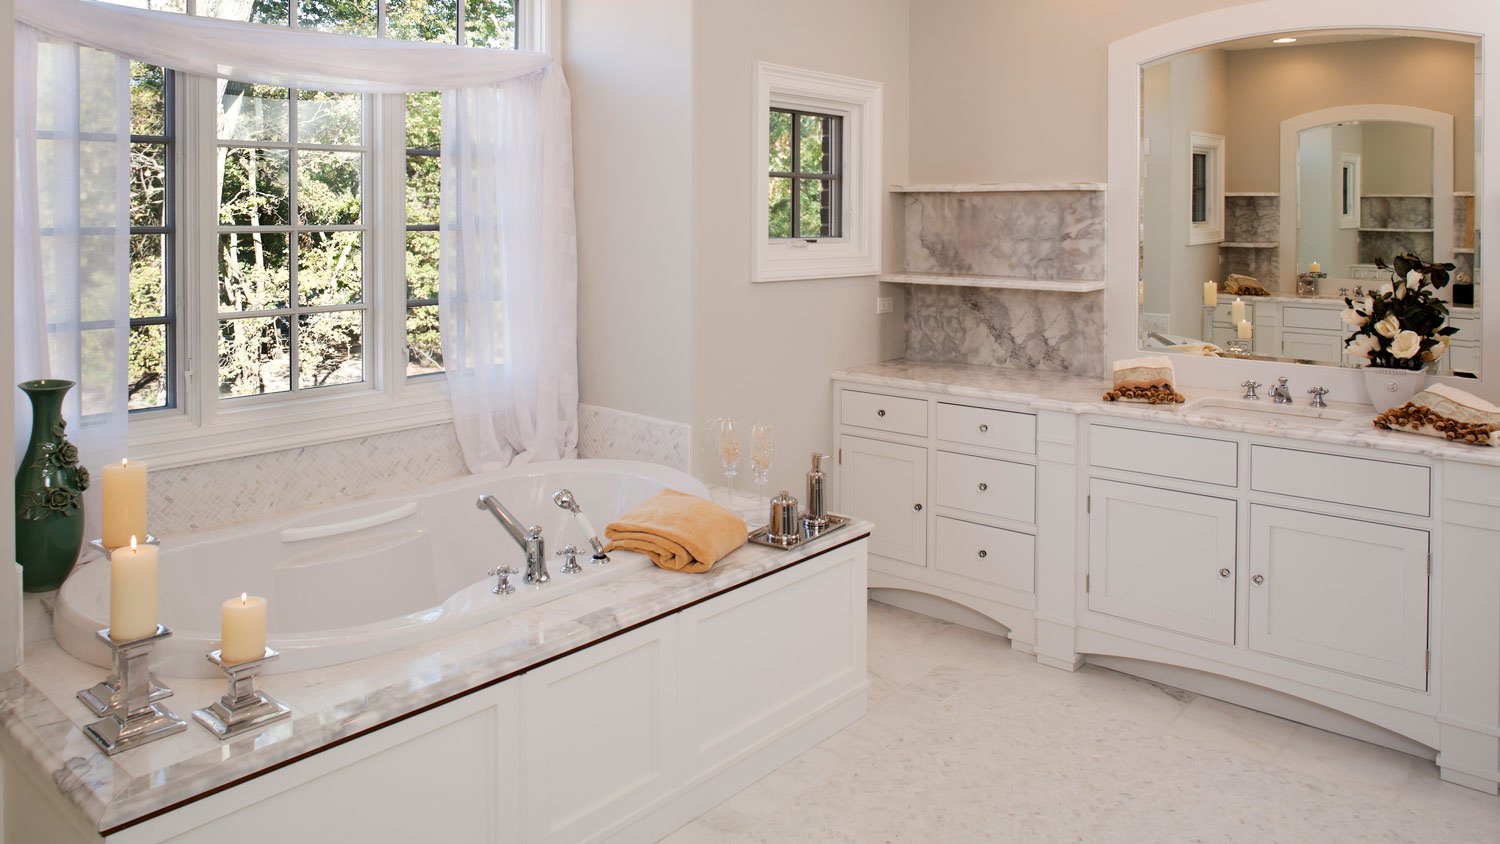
(353, 581)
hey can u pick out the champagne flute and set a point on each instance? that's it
(762, 453)
(729, 451)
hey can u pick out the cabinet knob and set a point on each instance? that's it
(917, 507)
(1224, 573)
(880, 413)
(983, 553)
(983, 486)
(984, 429)
(1258, 579)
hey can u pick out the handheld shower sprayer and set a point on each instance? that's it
(564, 499)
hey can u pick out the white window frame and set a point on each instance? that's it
(1351, 178)
(202, 428)
(1211, 230)
(859, 103)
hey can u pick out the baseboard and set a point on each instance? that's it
(939, 608)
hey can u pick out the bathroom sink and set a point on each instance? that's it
(1267, 413)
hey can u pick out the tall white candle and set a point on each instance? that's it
(1245, 329)
(132, 592)
(1237, 311)
(124, 502)
(243, 629)
(1210, 294)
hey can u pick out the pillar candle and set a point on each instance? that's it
(124, 499)
(1210, 294)
(1245, 329)
(1237, 311)
(243, 629)
(132, 592)
(1314, 267)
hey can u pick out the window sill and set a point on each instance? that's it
(172, 440)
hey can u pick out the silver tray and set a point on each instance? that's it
(761, 535)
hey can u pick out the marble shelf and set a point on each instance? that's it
(1006, 187)
(1057, 285)
(1250, 244)
(1233, 193)
(1396, 229)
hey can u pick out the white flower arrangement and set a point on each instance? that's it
(1403, 324)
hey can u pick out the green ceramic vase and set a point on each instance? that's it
(49, 492)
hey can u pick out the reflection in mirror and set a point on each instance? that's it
(1316, 159)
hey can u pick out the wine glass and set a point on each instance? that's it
(729, 450)
(762, 452)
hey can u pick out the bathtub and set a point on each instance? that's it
(353, 581)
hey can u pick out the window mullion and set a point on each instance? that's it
(386, 287)
(199, 240)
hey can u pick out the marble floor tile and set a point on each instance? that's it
(967, 741)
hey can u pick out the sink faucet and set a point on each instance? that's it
(1279, 393)
(529, 538)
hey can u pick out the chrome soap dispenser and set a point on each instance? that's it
(816, 518)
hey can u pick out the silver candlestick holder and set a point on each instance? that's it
(242, 708)
(1238, 346)
(132, 715)
(98, 544)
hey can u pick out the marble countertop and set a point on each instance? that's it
(1204, 408)
(39, 714)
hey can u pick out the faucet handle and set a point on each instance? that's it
(571, 552)
(1250, 388)
(1318, 393)
(503, 586)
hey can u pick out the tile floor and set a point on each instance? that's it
(968, 741)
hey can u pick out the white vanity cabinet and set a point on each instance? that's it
(951, 485)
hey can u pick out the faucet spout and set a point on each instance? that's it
(528, 537)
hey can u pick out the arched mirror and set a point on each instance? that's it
(1257, 177)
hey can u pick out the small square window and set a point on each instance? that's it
(805, 195)
(1205, 188)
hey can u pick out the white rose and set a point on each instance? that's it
(1369, 305)
(1414, 278)
(1436, 351)
(1387, 289)
(1362, 345)
(1354, 319)
(1406, 344)
(1388, 327)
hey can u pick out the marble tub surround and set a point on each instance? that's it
(1252, 218)
(1396, 212)
(621, 435)
(41, 719)
(1049, 331)
(1022, 232)
(1204, 407)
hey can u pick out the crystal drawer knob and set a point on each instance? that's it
(984, 429)
(1258, 579)
(983, 486)
(880, 413)
(983, 553)
(1224, 573)
(917, 507)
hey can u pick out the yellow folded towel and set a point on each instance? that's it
(677, 531)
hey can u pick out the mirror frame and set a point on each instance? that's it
(1479, 19)
(1441, 126)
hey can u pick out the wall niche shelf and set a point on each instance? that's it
(1054, 285)
(1395, 229)
(1007, 187)
(1249, 244)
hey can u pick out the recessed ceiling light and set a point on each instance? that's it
(1283, 40)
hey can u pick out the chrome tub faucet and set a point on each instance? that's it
(528, 537)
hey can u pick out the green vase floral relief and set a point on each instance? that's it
(49, 492)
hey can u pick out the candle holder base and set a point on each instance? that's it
(1239, 347)
(132, 716)
(242, 709)
(98, 545)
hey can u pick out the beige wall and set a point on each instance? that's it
(1015, 91)
(630, 68)
(1268, 86)
(766, 349)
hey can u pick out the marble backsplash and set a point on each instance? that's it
(1012, 234)
(1383, 246)
(1252, 218)
(1022, 329)
(1396, 212)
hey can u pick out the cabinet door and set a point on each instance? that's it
(1162, 558)
(1309, 345)
(1339, 593)
(886, 483)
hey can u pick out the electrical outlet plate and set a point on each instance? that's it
(884, 304)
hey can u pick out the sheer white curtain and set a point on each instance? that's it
(72, 265)
(509, 263)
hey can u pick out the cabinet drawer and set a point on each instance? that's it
(1377, 484)
(1471, 483)
(1005, 558)
(1169, 455)
(996, 488)
(982, 426)
(1301, 316)
(895, 414)
(1468, 327)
